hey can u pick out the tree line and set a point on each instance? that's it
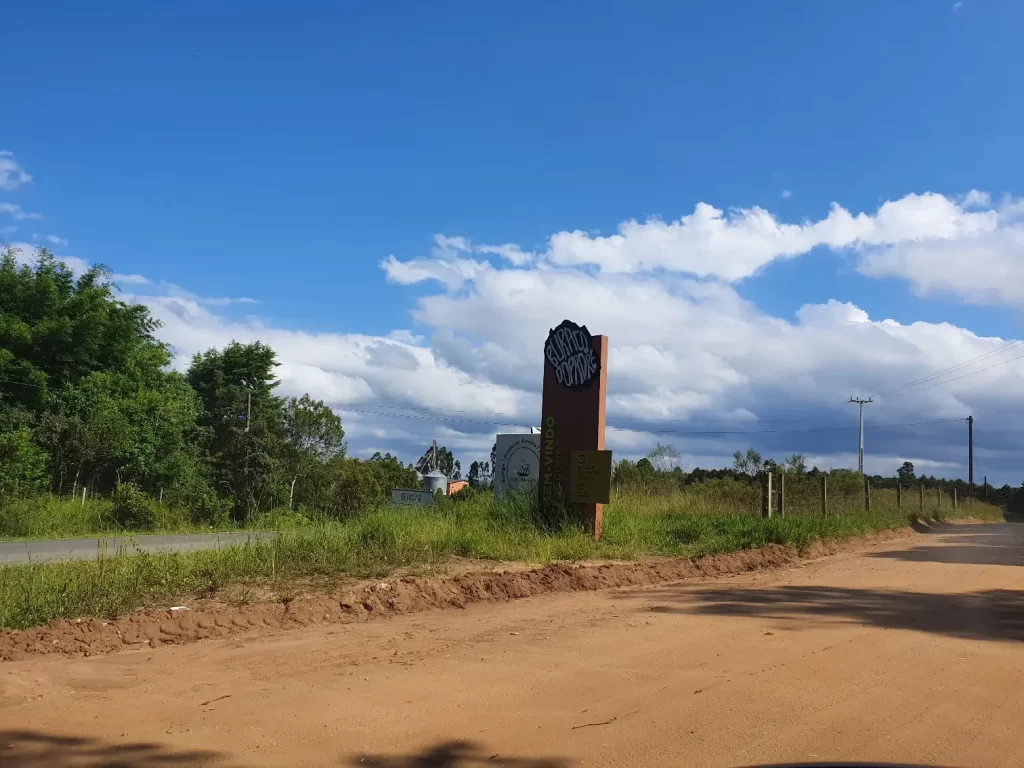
(88, 401)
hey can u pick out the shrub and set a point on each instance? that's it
(132, 509)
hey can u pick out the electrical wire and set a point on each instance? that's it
(669, 431)
(956, 378)
(951, 369)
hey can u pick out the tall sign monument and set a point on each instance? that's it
(572, 425)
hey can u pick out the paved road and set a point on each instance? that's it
(13, 552)
(911, 652)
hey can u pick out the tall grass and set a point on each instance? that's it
(53, 517)
(388, 538)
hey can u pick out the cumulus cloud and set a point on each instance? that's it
(691, 363)
(960, 246)
(985, 266)
(12, 175)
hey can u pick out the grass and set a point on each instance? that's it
(381, 541)
(54, 517)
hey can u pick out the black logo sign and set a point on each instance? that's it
(570, 352)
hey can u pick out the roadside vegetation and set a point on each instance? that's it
(98, 435)
(321, 552)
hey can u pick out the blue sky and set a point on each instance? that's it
(280, 154)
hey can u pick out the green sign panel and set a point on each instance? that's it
(590, 477)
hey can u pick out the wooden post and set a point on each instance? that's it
(767, 505)
(920, 493)
(938, 497)
(899, 496)
(954, 497)
(986, 487)
(824, 495)
(782, 494)
(867, 495)
(161, 495)
(83, 495)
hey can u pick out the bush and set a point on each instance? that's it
(132, 509)
(22, 465)
(204, 506)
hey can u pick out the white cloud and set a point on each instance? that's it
(454, 273)
(131, 279)
(12, 175)
(12, 209)
(54, 240)
(984, 266)
(786, 194)
(681, 350)
(964, 247)
(734, 245)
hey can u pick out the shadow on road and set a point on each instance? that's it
(32, 749)
(844, 765)
(454, 754)
(996, 614)
(966, 545)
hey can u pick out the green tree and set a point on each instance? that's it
(749, 463)
(56, 329)
(906, 472)
(795, 464)
(313, 435)
(22, 465)
(245, 419)
(479, 475)
(664, 458)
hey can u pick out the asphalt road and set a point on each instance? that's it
(910, 651)
(49, 550)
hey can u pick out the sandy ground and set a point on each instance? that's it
(909, 651)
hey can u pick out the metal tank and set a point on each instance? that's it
(435, 481)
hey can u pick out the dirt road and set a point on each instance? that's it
(911, 651)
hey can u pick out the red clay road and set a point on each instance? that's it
(907, 652)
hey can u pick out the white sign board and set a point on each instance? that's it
(408, 496)
(517, 463)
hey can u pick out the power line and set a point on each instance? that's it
(786, 431)
(957, 378)
(428, 417)
(998, 350)
(517, 419)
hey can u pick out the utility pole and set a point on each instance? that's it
(860, 454)
(970, 459)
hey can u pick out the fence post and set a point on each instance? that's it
(920, 493)
(83, 495)
(161, 495)
(938, 497)
(867, 495)
(767, 494)
(899, 496)
(782, 494)
(824, 495)
(954, 497)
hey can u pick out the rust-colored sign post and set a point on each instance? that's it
(572, 417)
